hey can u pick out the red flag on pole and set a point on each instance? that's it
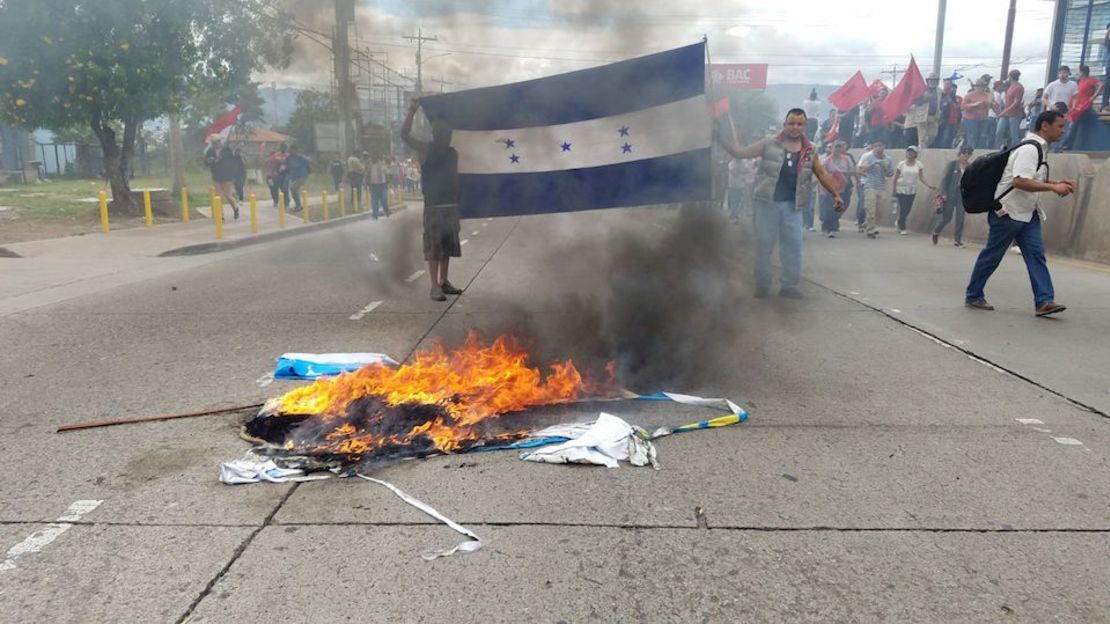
(909, 88)
(225, 122)
(851, 94)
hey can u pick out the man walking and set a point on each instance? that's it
(355, 171)
(221, 162)
(1019, 218)
(876, 167)
(379, 187)
(949, 198)
(783, 185)
(1013, 111)
(297, 167)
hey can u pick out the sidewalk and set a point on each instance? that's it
(46, 271)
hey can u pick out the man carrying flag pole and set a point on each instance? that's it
(783, 185)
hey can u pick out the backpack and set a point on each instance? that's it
(980, 181)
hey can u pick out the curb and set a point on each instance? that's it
(8, 253)
(217, 246)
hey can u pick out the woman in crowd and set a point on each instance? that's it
(906, 176)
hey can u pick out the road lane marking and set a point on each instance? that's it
(1068, 441)
(464, 241)
(415, 276)
(1042, 430)
(484, 224)
(357, 316)
(265, 380)
(896, 310)
(1029, 421)
(475, 233)
(42, 538)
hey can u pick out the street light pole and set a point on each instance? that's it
(938, 48)
(1009, 40)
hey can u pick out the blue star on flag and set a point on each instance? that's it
(626, 148)
(565, 146)
(509, 143)
(623, 131)
(514, 158)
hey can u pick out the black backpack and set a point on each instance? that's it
(980, 181)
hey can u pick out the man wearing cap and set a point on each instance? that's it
(949, 200)
(925, 114)
(1013, 111)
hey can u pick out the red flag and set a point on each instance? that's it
(910, 87)
(834, 128)
(876, 87)
(224, 122)
(852, 94)
(720, 108)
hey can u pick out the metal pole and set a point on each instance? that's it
(938, 48)
(1009, 40)
(1086, 33)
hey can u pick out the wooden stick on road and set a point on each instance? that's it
(93, 424)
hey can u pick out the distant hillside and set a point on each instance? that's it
(789, 96)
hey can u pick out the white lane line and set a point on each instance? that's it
(357, 316)
(484, 224)
(265, 380)
(41, 539)
(415, 276)
(854, 293)
(464, 241)
(896, 310)
(1029, 421)
(1042, 430)
(475, 232)
(1068, 441)
(488, 219)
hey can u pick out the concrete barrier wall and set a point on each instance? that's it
(1064, 214)
(1093, 233)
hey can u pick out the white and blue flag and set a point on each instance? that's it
(628, 134)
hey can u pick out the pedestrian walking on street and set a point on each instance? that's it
(1019, 218)
(949, 199)
(842, 170)
(297, 168)
(783, 185)
(274, 177)
(379, 187)
(876, 167)
(240, 167)
(440, 166)
(907, 175)
(220, 162)
(336, 171)
(355, 171)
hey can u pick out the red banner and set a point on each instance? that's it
(749, 76)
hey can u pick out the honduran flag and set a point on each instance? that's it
(627, 134)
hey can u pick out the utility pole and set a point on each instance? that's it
(938, 47)
(1009, 40)
(273, 104)
(344, 14)
(420, 39)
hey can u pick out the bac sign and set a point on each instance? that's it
(752, 76)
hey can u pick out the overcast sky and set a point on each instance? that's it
(803, 41)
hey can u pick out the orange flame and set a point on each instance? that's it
(472, 383)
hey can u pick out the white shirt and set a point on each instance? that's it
(907, 177)
(1023, 163)
(812, 108)
(1061, 92)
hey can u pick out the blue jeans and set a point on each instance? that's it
(735, 199)
(973, 133)
(1009, 132)
(379, 197)
(779, 221)
(1027, 236)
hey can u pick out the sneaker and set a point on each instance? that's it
(957, 244)
(831, 234)
(235, 211)
(437, 294)
(1050, 307)
(935, 238)
(861, 230)
(978, 304)
(450, 289)
(762, 292)
(874, 234)
(790, 293)
(904, 232)
(811, 229)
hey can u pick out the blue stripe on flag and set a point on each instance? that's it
(593, 93)
(676, 178)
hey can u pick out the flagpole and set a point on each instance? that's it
(709, 75)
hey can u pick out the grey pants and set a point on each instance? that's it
(942, 219)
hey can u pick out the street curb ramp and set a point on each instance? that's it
(217, 246)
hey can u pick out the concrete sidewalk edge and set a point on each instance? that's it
(217, 246)
(8, 253)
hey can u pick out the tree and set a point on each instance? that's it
(111, 64)
(312, 107)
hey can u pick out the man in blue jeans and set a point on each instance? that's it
(1018, 220)
(783, 185)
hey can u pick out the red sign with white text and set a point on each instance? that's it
(748, 76)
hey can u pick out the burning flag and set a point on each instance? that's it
(632, 133)
(443, 402)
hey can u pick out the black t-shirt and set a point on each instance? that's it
(440, 176)
(787, 187)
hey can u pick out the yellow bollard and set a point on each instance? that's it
(281, 209)
(342, 204)
(211, 196)
(254, 216)
(325, 193)
(184, 204)
(304, 204)
(104, 211)
(218, 215)
(146, 208)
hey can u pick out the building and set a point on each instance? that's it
(1078, 30)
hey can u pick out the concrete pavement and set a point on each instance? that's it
(883, 476)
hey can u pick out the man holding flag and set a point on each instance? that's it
(783, 186)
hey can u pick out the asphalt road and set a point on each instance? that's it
(906, 459)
